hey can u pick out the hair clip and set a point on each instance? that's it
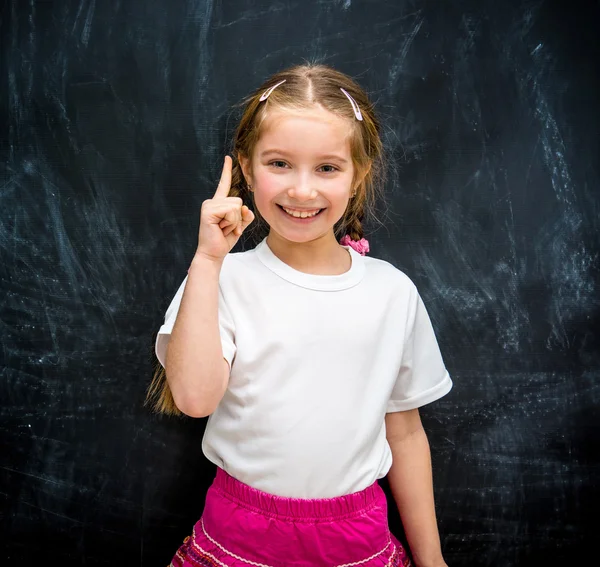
(266, 94)
(354, 105)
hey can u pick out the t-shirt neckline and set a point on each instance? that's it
(313, 281)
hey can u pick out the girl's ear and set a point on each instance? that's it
(245, 165)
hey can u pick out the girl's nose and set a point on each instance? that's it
(303, 186)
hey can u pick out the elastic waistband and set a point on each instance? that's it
(297, 508)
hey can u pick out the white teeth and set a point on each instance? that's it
(302, 215)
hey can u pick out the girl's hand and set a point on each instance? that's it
(223, 219)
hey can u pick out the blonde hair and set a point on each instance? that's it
(305, 86)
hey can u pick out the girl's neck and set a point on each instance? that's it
(323, 257)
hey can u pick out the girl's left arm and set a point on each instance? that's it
(411, 483)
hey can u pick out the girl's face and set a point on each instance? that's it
(301, 161)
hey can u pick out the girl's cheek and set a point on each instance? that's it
(269, 183)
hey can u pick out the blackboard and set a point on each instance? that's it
(115, 118)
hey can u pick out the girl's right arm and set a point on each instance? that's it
(196, 371)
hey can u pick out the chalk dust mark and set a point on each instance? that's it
(397, 66)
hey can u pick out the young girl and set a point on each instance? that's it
(310, 358)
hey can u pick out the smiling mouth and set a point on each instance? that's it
(301, 218)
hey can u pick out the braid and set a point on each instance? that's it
(354, 226)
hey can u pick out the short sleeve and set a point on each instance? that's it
(422, 377)
(226, 327)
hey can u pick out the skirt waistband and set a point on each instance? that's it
(298, 509)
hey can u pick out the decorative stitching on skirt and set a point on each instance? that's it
(208, 558)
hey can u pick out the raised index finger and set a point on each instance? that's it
(225, 181)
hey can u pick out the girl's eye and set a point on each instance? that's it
(333, 168)
(277, 163)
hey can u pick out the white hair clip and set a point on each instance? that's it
(266, 94)
(354, 105)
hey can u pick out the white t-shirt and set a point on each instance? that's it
(316, 362)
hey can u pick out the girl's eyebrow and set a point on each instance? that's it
(323, 157)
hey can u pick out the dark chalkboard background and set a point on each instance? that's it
(115, 118)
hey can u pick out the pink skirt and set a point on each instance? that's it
(245, 527)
